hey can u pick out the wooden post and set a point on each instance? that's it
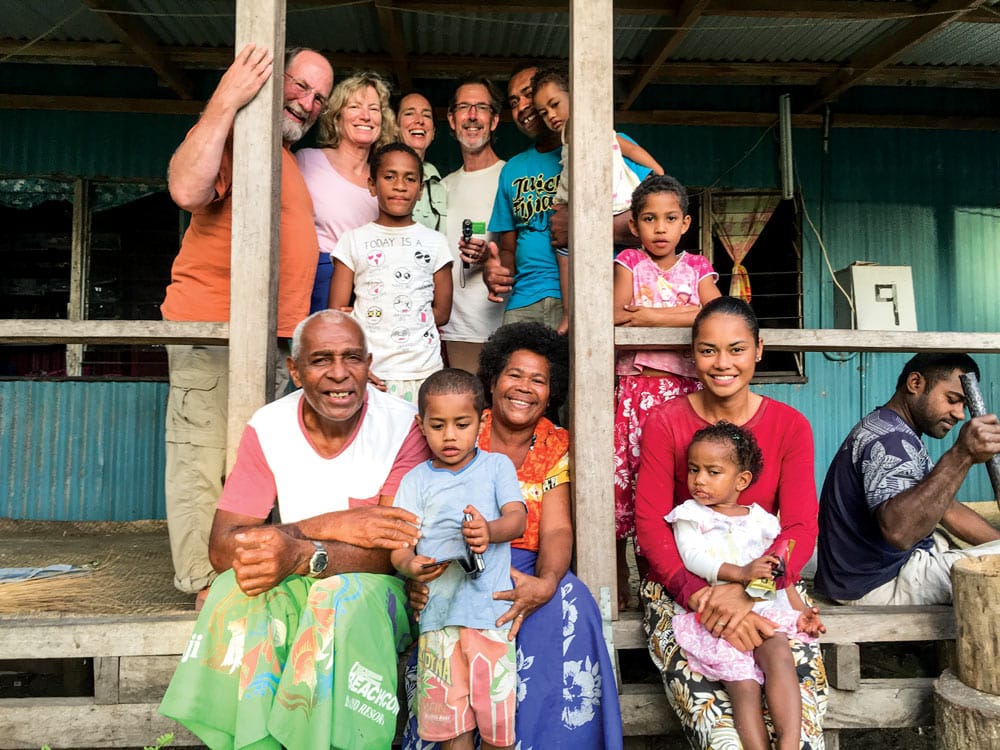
(976, 590)
(256, 222)
(964, 718)
(967, 701)
(591, 331)
(79, 270)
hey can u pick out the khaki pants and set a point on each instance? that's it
(926, 577)
(196, 453)
(464, 355)
(548, 311)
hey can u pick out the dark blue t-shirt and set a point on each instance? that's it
(881, 458)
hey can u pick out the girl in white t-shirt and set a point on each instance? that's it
(399, 274)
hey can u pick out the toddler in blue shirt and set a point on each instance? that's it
(466, 668)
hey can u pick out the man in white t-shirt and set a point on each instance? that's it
(320, 583)
(473, 114)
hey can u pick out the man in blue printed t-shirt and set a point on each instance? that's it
(883, 496)
(523, 272)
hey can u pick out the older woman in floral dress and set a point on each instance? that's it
(567, 697)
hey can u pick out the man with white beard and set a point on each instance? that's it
(473, 115)
(200, 181)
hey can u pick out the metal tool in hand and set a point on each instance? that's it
(977, 408)
(466, 236)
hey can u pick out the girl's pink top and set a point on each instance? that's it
(654, 287)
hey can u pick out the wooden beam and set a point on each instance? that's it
(845, 625)
(661, 45)
(81, 722)
(133, 32)
(79, 270)
(881, 52)
(80, 637)
(35, 331)
(832, 9)
(591, 349)
(44, 103)
(450, 66)
(876, 704)
(256, 224)
(707, 118)
(392, 35)
(825, 340)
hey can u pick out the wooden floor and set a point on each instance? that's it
(92, 653)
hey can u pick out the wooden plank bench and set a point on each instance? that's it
(134, 657)
(855, 702)
(133, 660)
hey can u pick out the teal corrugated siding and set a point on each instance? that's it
(81, 451)
(94, 144)
(926, 199)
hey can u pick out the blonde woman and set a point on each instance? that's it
(356, 121)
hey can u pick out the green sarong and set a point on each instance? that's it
(308, 664)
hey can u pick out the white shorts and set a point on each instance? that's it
(926, 577)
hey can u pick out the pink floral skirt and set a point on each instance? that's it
(634, 397)
(716, 658)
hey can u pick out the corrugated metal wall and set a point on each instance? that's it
(81, 450)
(928, 199)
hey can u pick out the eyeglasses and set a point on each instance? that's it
(301, 89)
(480, 107)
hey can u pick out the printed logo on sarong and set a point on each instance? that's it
(191, 650)
(366, 685)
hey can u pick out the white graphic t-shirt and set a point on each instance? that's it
(394, 288)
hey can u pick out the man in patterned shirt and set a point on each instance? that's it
(884, 496)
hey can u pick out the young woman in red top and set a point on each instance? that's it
(726, 346)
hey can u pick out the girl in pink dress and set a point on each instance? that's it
(654, 286)
(723, 541)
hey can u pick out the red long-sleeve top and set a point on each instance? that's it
(786, 486)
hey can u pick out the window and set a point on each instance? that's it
(133, 238)
(774, 268)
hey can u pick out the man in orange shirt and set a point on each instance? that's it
(200, 181)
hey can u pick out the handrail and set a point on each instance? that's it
(825, 340)
(36, 331)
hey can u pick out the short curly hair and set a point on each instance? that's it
(533, 337)
(658, 183)
(554, 74)
(451, 381)
(746, 453)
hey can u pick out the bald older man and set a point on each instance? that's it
(297, 642)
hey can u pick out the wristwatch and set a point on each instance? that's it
(318, 561)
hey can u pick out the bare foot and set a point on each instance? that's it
(199, 599)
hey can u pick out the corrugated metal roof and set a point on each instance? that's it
(958, 44)
(186, 23)
(81, 451)
(57, 20)
(778, 39)
(542, 34)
